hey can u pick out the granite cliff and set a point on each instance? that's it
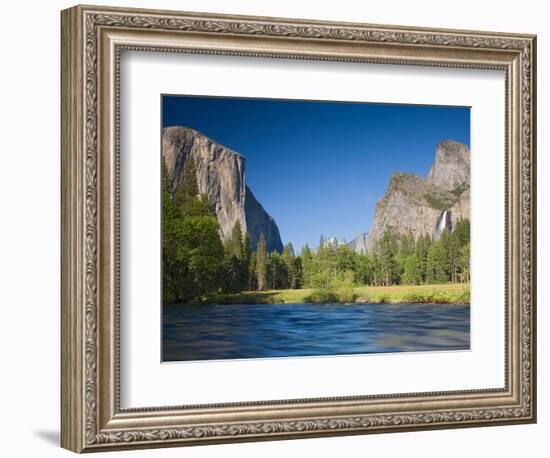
(451, 168)
(221, 176)
(359, 243)
(418, 205)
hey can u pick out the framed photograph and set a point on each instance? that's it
(277, 228)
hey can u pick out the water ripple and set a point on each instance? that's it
(213, 332)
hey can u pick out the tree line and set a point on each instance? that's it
(198, 264)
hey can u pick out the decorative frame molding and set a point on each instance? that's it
(92, 39)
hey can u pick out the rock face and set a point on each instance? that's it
(461, 209)
(406, 208)
(417, 205)
(258, 221)
(221, 176)
(359, 243)
(451, 168)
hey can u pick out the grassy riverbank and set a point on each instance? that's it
(451, 293)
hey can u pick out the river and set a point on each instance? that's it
(214, 332)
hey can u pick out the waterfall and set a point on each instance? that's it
(443, 224)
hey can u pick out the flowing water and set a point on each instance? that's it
(443, 224)
(210, 332)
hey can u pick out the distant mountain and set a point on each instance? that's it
(418, 205)
(221, 176)
(359, 243)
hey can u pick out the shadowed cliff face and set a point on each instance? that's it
(221, 176)
(258, 221)
(414, 204)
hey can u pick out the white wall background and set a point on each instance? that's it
(29, 233)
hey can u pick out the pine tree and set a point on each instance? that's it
(288, 256)
(364, 269)
(204, 251)
(172, 266)
(411, 273)
(453, 256)
(377, 271)
(188, 189)
(387, 248)
(435, 264)
(234, 244)
(465, 262)
(307, 264)
(236, 272)
(346, 259)
(277, 271)
(297, 273)
(462, 231)
(252, 277)
(261, 263)
(193, 255)
(405, 249)
(246, 262)
(422, 247)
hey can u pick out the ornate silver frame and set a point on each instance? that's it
(92, 39)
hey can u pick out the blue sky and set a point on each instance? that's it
(319, 167)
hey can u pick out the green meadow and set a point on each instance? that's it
(451, 293)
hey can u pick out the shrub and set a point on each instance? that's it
(440, 201)
(322, 297)
(333, 287)
(464, 296)
(441, 297)
(345, 287)
(414, 297)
